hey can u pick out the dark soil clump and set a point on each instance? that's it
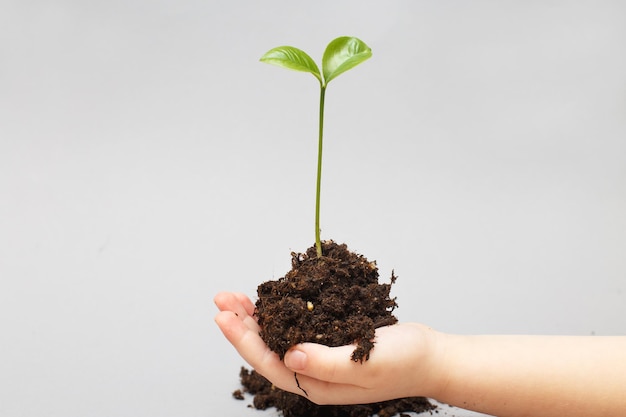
(334, 300)
(292, 405)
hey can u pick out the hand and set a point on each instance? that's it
(398, 365)
(493, 374)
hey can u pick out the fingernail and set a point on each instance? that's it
(295, 360)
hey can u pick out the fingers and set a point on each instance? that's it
(238, 303)
(242, 331)
(240, 328)
(244, 336)
(245, 302)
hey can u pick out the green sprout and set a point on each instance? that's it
(341, 54)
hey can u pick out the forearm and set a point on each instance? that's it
(535, 376)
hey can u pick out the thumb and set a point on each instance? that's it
(331, 364)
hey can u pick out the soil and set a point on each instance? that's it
(334, 300)
(292, 405)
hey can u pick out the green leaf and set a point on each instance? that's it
(293, 59)
(343, 54)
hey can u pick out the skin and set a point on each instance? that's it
(507, 376)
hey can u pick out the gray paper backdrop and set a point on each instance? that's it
(148, 161)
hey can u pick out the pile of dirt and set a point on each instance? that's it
(334, 300)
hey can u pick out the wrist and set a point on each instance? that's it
(433, 375)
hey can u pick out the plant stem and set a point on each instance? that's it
(318, 242)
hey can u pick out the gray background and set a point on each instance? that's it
(148, 161)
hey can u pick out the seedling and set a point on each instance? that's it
(341, 54)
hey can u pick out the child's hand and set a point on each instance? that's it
(398, 364)
(504, 375)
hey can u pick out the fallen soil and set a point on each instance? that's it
(334, 300)
(292, 405)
